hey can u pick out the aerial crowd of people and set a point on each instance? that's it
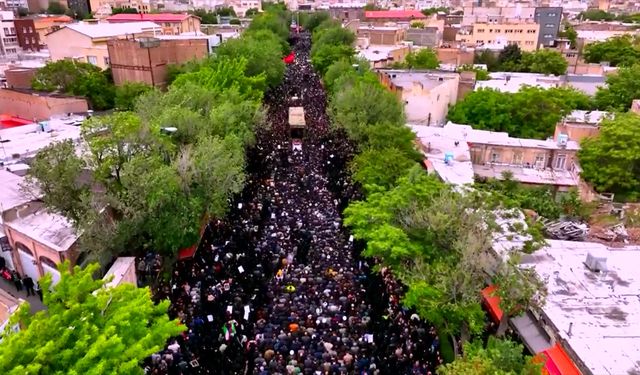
(278, 287)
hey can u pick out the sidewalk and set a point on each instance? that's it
(34, 301)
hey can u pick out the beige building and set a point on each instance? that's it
(581, 124)
(45, 25)
(171, 24)
(88, 42)
(499, 35)
(381, 56)
(427, 95)
(382, 35)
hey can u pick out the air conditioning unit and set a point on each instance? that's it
(596, 263)
(563, 139)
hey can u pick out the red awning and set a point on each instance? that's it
(187, 252)
(557, 362)
(492, 301)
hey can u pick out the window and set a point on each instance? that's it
(495, 157)
(517, 158)
(560, 161)
(92, 60)
(550, 25)
(551, 15)
(107, 62)
(24, 30)
(531, 31)
(480, 30)
(6, 31)
(539, 161)
(548, 35)
(529, 42)
(13, 31)
(490, 30)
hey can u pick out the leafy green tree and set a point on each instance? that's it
(380, 168)
(499, 357)
(226, 12)
(23, 12)
(569, 32)
(430, 11)
(56, 8)
(544, 61)
(276, 22)
(611, 161)
(425, 58)
(207, 17)
(251, 12)
(621, 50)
(509, 58)
(596, 15)
(314, 20)
(323, 57)
(481, 74)
(87, 328)
(622, 88)
(127, 94)
(124, 10)
(332, 36)
(487, 58)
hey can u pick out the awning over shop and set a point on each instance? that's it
(493, 302)
(557, 362)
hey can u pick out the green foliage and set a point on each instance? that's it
(481, 74)
(124, 10)
(425, 58)
(611, 161)
(499, 357)
(622, 88)
(313, 20)
(487, 58)
(331, 43)
(380, 168)
(544, 61)
(87, 329)
(623, 50)
(327, 54)
(127, 94)
(207, 17)
(76, 78)
(430, 11)
(509, 58)
(567, 31)
(274, 21)
(56, 8)
(251, 12)
(530, 113)
(23, 12)
(596, 15)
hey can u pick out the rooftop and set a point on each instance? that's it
(587, 117)
(50, 229)
(513, 82)
(597, 313)
(25, 141)
(157, 17)
(399, 14)
(377, 52)
(106, 30)
(8, 304)
(427, 78)
(526, 175)
(11, 195)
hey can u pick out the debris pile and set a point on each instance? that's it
(616, 233)
(565, 230)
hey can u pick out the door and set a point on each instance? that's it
(29, 266)
(55, 275)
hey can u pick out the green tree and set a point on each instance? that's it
(23, 12)
(622, 88)
(124, 10)
(276, 22)
(487, 58)
(87, 328)
(251, 12)
(596, 15)
(544, 61)
(499, 357)
(207, 17)
(481, 74)
(323, 57)
(314, 20)
(127, 94)
(425, 58)
(226, 12)
(430, 11)
(509, 58)
(623, 50)
(56, 8)
(611, 161)
(569, 32)
(380, 168)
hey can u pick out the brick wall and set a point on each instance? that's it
(31, 105)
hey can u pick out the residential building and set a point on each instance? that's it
(36, 106)
(19, 78)
(489, 14)
(512, 82)
(8, 305)
(581, 124)
(382, 56)
(28, 37)
(455, 56)
(426, 94)
(45, 25)
(591, 310)
(9, 46)
(549, 20)
(171, 24)
(39, 240)
(88, 42)
(589, 32)
(459, 153)
(14, 5)
(495, 35)
(424, 37)
(146, 59)
(346, 12)
(380, 17)
(382, 35)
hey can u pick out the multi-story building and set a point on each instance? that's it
(9, 46)
(384, 35)
(382, 56)
(424, 37)
(88, 42)
(481, 14)
(45, 25)
(493, 35)
(171, 24)
(549, 20)
(146, 59)
(28, 37)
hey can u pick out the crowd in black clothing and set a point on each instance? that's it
(278, 287)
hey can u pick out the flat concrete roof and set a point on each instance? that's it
(8, 304)
(25, 141)
(11, 194)
(598, 314)
(50, 229)
(427, 78)
(587, 117)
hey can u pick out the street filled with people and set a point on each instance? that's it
(279, 287)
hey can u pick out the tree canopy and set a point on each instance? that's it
(425, 58)
(529, 113)
(87, 328)
(611, 160)
(331, 43)
(76, 78)
(127, 94)
(622, 88)
(512, 59)
(623, 50)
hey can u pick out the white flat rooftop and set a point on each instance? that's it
(527, 175)
(603, 309)
(513, 82)
(50, 229)
(27, 140)
(11, 195)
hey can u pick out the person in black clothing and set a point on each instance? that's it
(28, 285)
(17, 281)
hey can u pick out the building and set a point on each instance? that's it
(427, 95)
(512, 82)
(346, 12)
(45, 25)
(28, 37)
(497, 14)
(380, 17)
(499, 35)
(123, 270)
(19, 78)
(455, 56)
(424, 37)
(581, 124)
(171, 24)
(36, 106)
(79, 7)
(88, 42)
(8, 305)
(146, 59)
(382, 35)
(549, 20)
(592, 309)
(381, 56)
(459, 153)
(9, 46)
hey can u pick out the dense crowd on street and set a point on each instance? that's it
(279, 287)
